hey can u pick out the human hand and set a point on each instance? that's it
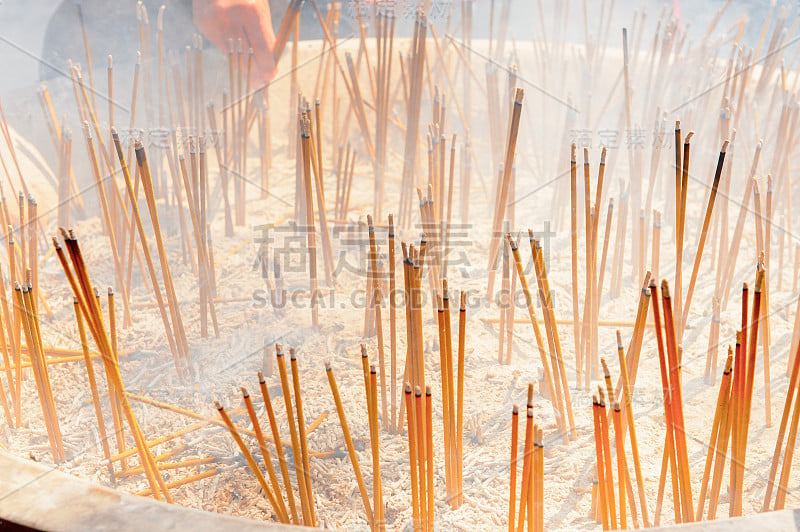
(248, 20)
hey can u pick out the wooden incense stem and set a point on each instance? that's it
(677, 227)
(787, 409)
(622, 467)
(751, 370)
(780, 496)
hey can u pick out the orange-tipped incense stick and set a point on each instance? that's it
(296, 450)
(302, 432)
(262, 445)
(348, 440)
(252, 463)
(276, 438)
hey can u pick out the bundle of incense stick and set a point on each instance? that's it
(554, 342)
(624, 484)
(742, 394)
(531, 506)
(553, 391)
(367, 78)
(420, 450)
(83, 291)
(414, 372)
(675, 450)
(371, 391)
(717, 444)
(195, 189)
(588, 361)
(452, 389)
(251, 462)
(173, 325)
(298, 444)
(604, 466)
(25, 302)
(307, 123)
